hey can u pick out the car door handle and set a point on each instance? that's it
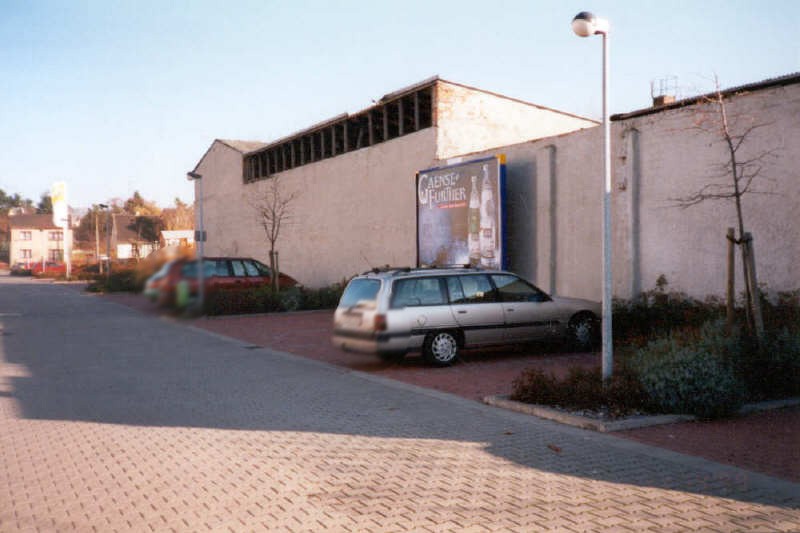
(461, 312)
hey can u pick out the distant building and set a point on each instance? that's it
(174, 238)
(36, 239)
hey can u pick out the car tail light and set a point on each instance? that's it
(380, 323)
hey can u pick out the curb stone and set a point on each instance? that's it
(634, 422)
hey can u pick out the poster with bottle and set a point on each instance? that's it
(460, 214)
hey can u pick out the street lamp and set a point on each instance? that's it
(199, 236)
(108, 241)
(586, 24)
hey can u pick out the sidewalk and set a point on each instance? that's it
(767, 442)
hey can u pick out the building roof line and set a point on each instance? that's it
(780, 81)
(519, 101)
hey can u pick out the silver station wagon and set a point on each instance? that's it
(441, 310)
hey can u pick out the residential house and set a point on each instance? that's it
(36, 239)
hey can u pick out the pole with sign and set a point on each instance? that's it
(61, 219)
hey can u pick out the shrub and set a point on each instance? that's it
(771, 370)
(582, 389)
(120, 280)
(324, 298)
(692, 373)
(658, 312)
(265, 300)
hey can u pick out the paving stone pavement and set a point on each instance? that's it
(115, 421)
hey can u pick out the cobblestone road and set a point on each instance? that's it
(111, 420)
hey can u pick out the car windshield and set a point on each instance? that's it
(360, 292)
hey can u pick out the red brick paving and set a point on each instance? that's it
(766, 442)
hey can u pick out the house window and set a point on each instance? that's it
(27, 254)
(55, 256)
(55, 236)
(25, 236)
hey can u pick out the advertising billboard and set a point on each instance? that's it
(460, 214)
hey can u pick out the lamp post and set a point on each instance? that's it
(108, 242)
(586, 24)
(199, 236)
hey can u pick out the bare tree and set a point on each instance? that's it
(273, 207)
(737, 176)
(179, 217)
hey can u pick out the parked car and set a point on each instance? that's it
(219, 273)
(20, 269)
(439, 311)
(39, 269)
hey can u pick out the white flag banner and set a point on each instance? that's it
(58, 196)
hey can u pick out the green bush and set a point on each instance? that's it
(692, 373)
(771, 370)
(659, 312)
(120, 280)
(265, 300)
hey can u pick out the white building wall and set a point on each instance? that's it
(357, 210)
(554, 203)
(39, 244)
(353, 212)
(688, 245)
(471, 119)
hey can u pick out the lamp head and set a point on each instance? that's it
(586, 24)
(191, 176)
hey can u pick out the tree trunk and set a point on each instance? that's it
(752, 281)
(731, 292)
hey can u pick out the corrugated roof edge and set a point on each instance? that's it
(788, 79)
(394, 95)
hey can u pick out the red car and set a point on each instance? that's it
(37, 269)
(219, 273)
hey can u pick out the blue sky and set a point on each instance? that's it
(115, 96)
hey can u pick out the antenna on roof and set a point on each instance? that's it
(664, 91)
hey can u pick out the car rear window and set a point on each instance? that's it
(360, 291)
(418, 292)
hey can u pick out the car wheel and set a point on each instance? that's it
(440, 348)
(582, 332)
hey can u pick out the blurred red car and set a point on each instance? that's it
(38, 269)
(219, 273)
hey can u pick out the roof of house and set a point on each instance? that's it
(788, 79)
(32, 222)
(243, 146)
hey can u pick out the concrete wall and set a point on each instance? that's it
(663, 156)
(554, 202)
(471, 119)
(353, 212)
(357, 210)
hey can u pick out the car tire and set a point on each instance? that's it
(440, 348)
(582, 332)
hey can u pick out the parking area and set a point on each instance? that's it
(764, 442)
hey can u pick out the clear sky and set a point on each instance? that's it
(113, 96)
